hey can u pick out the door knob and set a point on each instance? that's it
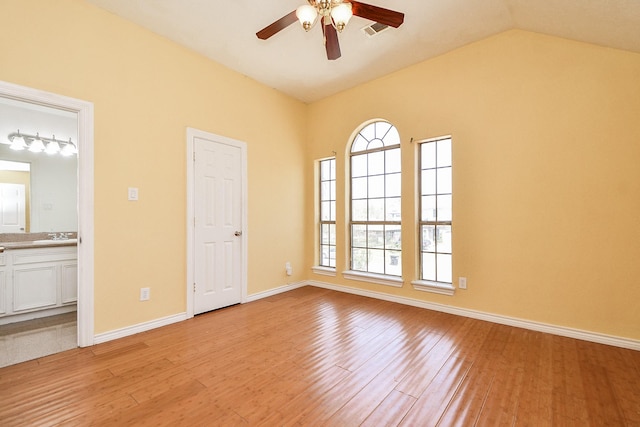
(238, 233)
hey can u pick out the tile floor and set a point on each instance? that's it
(36, 338)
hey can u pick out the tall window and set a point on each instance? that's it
(435, 208)
(375, 200)
(328, 213)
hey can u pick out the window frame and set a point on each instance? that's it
(422, 284)
(385, 277)
(332, 214)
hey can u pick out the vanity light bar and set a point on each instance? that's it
(36, 144)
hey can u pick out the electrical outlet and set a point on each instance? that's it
(145, 294)
(288, 268)
(462, 282)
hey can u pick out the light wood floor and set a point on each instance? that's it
(318, 357)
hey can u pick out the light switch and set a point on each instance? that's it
(133, 193)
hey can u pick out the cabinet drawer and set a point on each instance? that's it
(29, 256)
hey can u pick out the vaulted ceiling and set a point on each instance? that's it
(294, 62)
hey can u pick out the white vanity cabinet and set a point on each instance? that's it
(3, 285)
(38, 279)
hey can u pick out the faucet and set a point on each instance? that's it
(61, 236)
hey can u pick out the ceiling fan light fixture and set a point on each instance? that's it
(335, 15)
(307, 15)
(322, 5)
(341, 14)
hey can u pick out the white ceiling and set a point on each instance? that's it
(294, 62)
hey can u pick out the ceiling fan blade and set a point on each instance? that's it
(331, 42)
(378, 14)
(279, 25)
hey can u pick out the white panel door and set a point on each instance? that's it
(12, 208)
(218, 225)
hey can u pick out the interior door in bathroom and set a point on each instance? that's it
(218, 225)
(12, 208)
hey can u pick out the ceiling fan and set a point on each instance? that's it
(333, 16)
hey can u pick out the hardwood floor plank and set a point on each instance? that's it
(257, 399)
(425, 370)
(333, 399)
(319, 383)
(623, 372)
(468, 400)
(53, 397)
(171, 401)
(71, 360)
(360, 406)
(432, 404)
(84, 412)
(534, 403)
(410, 346)
(390, 411)
(117, 348)
(568, 399)
(501, 404)
(600, 394)
(150, 387)
(313, 356)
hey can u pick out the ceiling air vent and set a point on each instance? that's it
(374, 29)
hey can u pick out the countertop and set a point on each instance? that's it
(33, 240)
(32, 245)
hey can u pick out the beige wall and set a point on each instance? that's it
(146, 91)
(546, 157)
(546, 153)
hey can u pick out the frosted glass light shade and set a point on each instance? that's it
(341, 14)
(36, 146)
(17, 143)
(69, 149)
(52, 147)
(307, 16)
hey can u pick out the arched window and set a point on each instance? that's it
(375, 200)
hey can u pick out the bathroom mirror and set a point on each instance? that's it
(48, 181)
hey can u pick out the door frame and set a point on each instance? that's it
(84, 110)
(192, 134)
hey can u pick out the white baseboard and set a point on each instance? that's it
(140, 327)
(275, 291)
(474, 314)
(157, 323)
(13, 318)
(495, 318)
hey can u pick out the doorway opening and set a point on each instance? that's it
(47, 216)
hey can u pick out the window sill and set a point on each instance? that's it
(434, 287)
(325, 271)
(380, 279)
